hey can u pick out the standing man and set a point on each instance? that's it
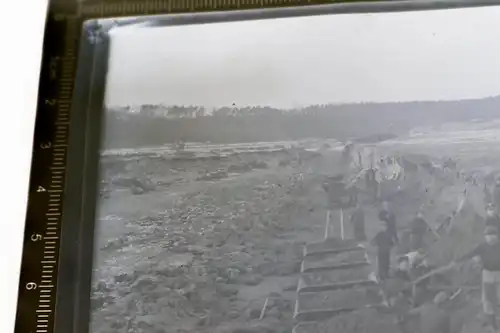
(347, 156)
(384, 242)
(358, 223)
(487, 254)
(371, 182)
(418, 229)
(492, 218)
(488, 196)
(388, 217)
(496, 193)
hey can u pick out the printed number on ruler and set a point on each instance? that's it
(33, 285)
(46, 145)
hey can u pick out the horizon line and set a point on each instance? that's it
(306, 106)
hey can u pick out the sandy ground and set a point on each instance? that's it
(202, 256)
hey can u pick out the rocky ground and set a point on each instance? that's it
(204, 255)
(207, 242)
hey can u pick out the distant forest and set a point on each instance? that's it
(153, 125)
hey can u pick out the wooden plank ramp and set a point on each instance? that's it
(336, 277)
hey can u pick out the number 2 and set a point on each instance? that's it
(40, 189)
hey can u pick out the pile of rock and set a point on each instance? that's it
(138, 184)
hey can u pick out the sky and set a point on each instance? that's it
(295, 62)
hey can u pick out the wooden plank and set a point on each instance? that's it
(303, 288)
(335, 261)
(318, 315)
(331, 245)
(340, 299)
(337, 276)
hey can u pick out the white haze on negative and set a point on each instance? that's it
(292, 62)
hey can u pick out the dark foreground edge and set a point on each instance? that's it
(81, 188)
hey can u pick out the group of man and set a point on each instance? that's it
(409, 302)
(413, 264)
(387, 238)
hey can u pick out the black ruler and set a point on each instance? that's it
(38, 280)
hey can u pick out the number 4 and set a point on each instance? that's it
(40, 189)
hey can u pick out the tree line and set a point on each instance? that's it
(153, 125)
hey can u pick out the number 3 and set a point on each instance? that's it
(45, 145)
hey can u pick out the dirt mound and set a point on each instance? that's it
(137, 185)
(465, 233)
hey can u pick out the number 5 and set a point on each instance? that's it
(36, 237)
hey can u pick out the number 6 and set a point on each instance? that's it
(31, 286)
